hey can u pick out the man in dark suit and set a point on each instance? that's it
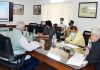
(94, 54)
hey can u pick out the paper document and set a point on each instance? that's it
(76, 59)
(28, 46)
(54, 56)
(67, 45)
(34, 44)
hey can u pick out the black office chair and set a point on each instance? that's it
(59, 34)
(31, 27)
(86, 35)
(40, 28)
(7, 58)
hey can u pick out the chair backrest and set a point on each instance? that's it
(32, 26)
(40, 28)
(86, 35)
(6, 50)
(58, 32)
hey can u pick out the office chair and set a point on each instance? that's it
(31, 27)
(59, 34)
(40, 28)
(86, 35)
(7, 58)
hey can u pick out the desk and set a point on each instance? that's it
(40, 55)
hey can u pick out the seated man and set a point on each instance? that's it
(94, 52)
(68, 30)
(48, 31)
(61, 23)
(20, 45)
(76, 37)
(62, 27)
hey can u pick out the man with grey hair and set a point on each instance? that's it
(94, 54)
(20, 25)
(20, 45)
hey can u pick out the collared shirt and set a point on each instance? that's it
(15, 36)
(61, 25)
(78, 39)
(20, 44)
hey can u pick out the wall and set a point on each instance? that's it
(55, 11)
(50, 1)
(82, 23)
(86, 23)
(28, 12)
(38, 18)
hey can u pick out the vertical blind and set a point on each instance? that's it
(56, 11)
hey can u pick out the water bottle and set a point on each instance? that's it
(54, 41)
(33, 34)
(89, 45)
(88, 48)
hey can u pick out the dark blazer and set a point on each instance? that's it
(94, 55)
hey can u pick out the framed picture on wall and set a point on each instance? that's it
(37, 9)
(18, 9)
(87, 9)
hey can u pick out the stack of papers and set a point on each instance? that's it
(75, 48)
(54, 56)
(62, 44)
(28, 46)
(76, 59)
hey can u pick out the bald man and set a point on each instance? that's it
(18, 47)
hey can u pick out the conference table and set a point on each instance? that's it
(56, 58)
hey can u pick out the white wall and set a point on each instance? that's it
(28, 12)
(86, 23)
(82, 23)
(50, 1)
(55, 11)
(38, 18)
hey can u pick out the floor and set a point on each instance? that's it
(41, 66)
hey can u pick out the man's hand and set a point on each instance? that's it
(86, 52)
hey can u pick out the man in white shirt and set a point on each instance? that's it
(61, 33)
(61, 23)
(21, 45)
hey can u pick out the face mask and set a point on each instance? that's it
(61, 21)
(73, 33)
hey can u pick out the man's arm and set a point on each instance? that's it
(28, 46)
(77, 39)
(68, 39)
(93, 55)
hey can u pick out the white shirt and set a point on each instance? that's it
(61, 25)
(20, 44)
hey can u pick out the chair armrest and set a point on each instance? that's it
(17, 57)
